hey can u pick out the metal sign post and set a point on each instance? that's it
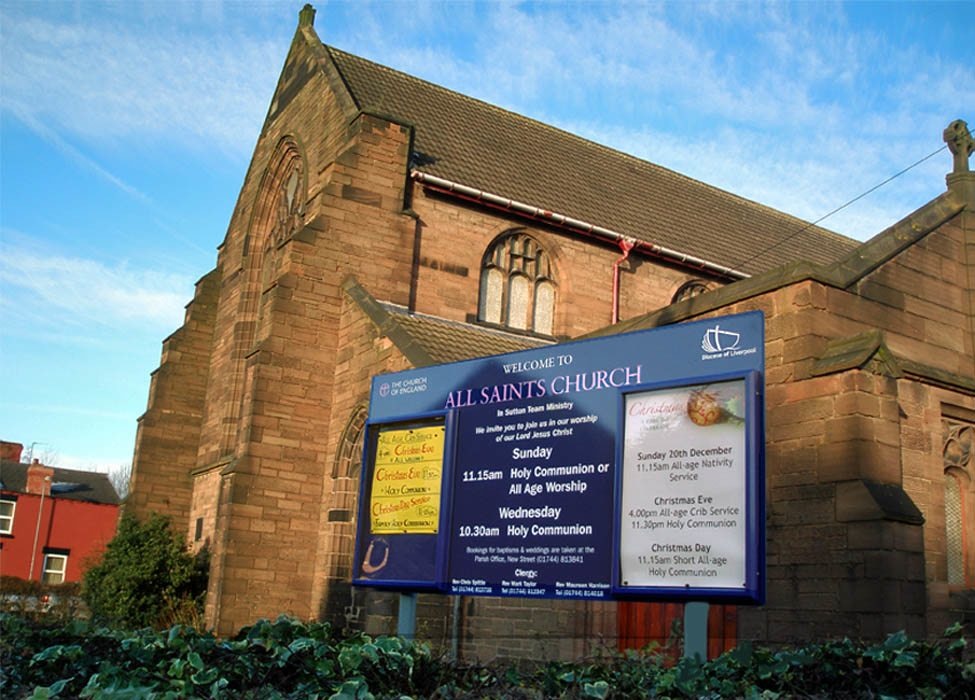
(696, 631)
(406, 619)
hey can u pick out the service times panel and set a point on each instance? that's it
(531, 496)
(684, 488)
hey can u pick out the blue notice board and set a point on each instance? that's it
(533, 464)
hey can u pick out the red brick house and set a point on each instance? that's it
(386, 223)
(53, 522)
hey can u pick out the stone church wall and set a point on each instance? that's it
(454, 239)
(169, 430)
(840, 562)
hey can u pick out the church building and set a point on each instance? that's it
(386, 223)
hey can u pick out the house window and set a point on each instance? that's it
(689, 289)
(55, 567)
(958, 465)
(7, 516)
(517, 285)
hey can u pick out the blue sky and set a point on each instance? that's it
(126, 129)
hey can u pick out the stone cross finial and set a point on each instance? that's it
(306, 18)
(960, 143)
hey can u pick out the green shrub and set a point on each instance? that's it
(146, 577)
(287, 659)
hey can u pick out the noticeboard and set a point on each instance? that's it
(401, 504)
(532, 468)
(690, 489)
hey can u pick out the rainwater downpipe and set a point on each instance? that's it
(626, 245)
(37, 528)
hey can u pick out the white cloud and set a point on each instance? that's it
(113, 81)
(781, 103)
(55, 139)
(44, 290)
(66, 409)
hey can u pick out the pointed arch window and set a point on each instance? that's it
(518, 289)
(278, 213)
(689, 289)
(284, 192)
(348, 458)
(959, 461)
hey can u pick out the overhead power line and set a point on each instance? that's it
(839, 208)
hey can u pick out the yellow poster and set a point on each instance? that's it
(406, 481)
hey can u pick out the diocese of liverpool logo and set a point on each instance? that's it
(716, 340)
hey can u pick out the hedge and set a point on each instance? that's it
(286, 658)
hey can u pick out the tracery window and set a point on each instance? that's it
(517, 285)
(958, 467)
(689, 289)
(284, 190)
(283, 199)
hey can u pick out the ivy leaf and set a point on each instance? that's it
(906, 659)
(51, 691)
(599, 689)
(355, 689)
(302, 644)
(350, 659)
(206, 676)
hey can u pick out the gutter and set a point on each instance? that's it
(449, 187)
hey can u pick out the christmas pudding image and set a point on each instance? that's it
(707, 406)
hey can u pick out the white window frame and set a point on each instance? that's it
(7, 521)
(47, 570)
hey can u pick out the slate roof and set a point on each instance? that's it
(473, 143)
(452, 341)
(70, 484)
(845, 273)
(429, 340)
